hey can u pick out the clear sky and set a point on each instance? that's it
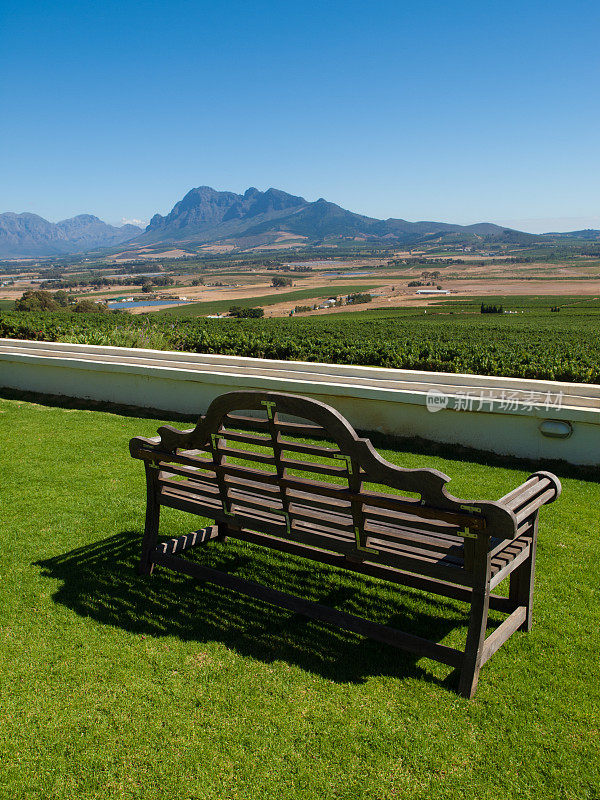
(458, 111)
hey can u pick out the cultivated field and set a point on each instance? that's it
(394, 281)
(453, 336)
(550, 332)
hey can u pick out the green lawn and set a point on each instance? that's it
(117, 686)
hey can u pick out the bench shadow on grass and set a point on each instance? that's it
(101, 581)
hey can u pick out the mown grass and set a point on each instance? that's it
(117, 686)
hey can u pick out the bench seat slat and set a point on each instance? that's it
(246, 472)
(342, 521)
(332, 538)
(320, 501)
(191, 487)
(414, 552)
(381, 571)
(320, 536)
(501, 567)
(249, 484)
(197, 489)
(199, 504)
(441, 530)
(525, 530)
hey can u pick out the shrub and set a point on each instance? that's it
(246, 313)
(61, 299)
(36, 301)
(359, 297)
(90, 307)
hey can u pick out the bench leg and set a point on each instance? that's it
(480, 605)
(469, 674)
(150, 539)
(223, 531)
(522, 579)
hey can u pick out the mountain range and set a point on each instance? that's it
(206, 216)
(31, 235)
(256, 218)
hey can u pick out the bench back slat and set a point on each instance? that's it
(292, 467)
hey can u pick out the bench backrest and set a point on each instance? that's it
(295, 468)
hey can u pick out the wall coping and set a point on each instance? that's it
(579, 402)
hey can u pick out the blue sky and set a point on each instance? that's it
(458, 111)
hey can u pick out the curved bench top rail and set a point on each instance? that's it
(493, 518)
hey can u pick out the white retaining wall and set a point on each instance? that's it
(534, 419)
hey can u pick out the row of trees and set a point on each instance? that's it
(491, 309)
(138, 280)
(358, 297)
(58, 301)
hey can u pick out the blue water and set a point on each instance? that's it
(143, 303)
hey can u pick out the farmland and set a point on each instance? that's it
(451, 336)
(203, 284)
(222, 306)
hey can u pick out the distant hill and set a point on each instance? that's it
(253, 219)
(590, 234)
(257, 218)
(31, 235)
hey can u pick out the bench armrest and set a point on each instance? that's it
(539, 489)
(139, 443)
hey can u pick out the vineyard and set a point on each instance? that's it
(529, 343)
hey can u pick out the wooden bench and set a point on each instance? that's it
(290, 473)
